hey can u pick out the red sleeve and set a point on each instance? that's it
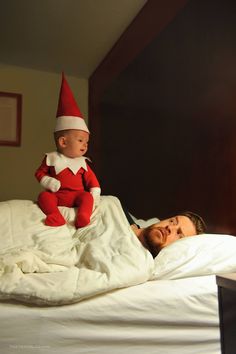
(42, 170)
(90, 179)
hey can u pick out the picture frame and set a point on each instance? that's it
(10, 118)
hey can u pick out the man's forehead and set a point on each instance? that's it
(187, 226)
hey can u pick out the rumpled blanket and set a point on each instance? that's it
(61, 265)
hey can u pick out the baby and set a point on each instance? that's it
(68, 179)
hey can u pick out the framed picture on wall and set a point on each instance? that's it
(10, 118)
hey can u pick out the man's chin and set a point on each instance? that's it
(153, 247)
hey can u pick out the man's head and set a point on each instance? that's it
(197, 220)
(166, 231)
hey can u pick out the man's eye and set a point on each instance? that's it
(180, 234)
(173, 221)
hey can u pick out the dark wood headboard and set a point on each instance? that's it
(162, 112)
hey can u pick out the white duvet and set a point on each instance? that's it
(61, 265)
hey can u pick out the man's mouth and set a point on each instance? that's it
(163, 232)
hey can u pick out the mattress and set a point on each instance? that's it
(177, 316)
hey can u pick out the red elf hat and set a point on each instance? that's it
(68, 112)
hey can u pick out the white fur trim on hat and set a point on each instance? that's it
(70, 122)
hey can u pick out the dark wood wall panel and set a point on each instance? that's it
(152, 19)
(167, 120)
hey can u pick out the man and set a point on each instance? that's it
(166, 231)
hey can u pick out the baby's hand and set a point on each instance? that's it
(96, 191)
(50, 183)
(96, 200)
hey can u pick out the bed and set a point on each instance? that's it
(166, 305)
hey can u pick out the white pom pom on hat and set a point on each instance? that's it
(68, 113)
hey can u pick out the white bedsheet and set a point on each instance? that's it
(175, 314)
(162, 316)
(60, 265)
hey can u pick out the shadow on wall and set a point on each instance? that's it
(167, 120)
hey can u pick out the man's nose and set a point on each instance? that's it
(168, 228)
(172, 229)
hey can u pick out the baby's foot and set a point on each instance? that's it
(82, 220)
(55, 219)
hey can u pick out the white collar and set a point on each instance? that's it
(60, 162)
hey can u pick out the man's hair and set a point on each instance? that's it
(197, 220)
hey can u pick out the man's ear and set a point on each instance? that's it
(62, 141)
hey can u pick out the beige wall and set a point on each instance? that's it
(40, 91)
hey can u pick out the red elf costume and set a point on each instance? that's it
(68, 181)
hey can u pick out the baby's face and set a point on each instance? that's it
(74, 143)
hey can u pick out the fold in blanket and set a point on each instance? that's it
(61, 265)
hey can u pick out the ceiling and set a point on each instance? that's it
(56, 35)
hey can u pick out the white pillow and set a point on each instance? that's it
(195, 256)
(145, 223)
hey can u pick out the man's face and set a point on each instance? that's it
(167, 231)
